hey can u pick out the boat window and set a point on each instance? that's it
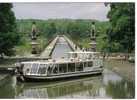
(90, 64)
(55, 70)
(79, 66)
(71, 67)
(85, 64)
(62, 68)
(49, 69)
(34, 68)
(42, 69)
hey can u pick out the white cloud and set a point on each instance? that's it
(60, 10)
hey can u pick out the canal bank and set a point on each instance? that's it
(121, 67)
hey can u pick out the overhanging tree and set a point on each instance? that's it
(122, 31)
(8, 37)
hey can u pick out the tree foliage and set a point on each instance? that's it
(8, 37)
(50, 30)
(122, 30)
(78, 30)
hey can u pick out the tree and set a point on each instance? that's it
(122, 30)
(78, 30)
(50, 30)
(8, 37)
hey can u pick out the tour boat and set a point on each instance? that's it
(78, 63)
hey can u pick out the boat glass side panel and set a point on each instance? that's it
(55, 69)
(42, 69)
(62, 68)
(71, 67)
(50, 68)
(79, 66)
(90, 64)
(85, 64)
(34, 68)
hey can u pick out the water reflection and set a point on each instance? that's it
(7, 87)
(61, 89)
(88, 87)
(121, 89)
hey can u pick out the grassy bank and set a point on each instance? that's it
(24, 49)
(122, 67)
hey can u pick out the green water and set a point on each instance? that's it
(107, 85)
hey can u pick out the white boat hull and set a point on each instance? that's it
(58, 76)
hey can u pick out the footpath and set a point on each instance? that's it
(48, 50)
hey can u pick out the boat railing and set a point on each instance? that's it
(83, 55)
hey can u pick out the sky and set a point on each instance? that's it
(55, 10)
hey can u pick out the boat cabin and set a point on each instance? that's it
(77, 62)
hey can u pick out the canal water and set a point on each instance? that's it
(107, 85)
(61, 49)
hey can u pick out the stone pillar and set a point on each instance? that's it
(35, 47)
(93, 38)
(34, 43)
